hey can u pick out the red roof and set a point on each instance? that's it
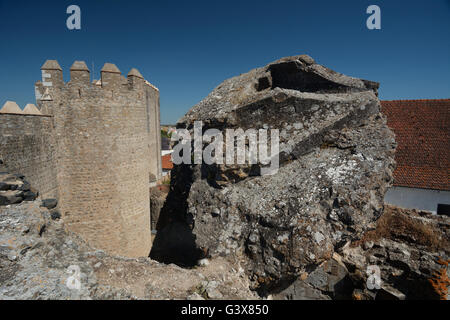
(167, 162)
(422, 129)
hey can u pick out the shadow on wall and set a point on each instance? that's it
(174, 241)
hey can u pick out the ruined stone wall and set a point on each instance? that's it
(103, 157)
(27, 146)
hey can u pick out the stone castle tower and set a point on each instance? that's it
(97, 147)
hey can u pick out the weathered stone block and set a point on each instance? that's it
(336, 158)
(49, 203)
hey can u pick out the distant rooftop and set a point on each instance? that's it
(167, 162)
(422, 129)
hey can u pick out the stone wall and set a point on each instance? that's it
(152, 97)
(27, 146)
(90, 145)
(103, 153)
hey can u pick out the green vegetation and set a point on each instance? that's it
(166, 134)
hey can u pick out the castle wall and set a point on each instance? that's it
(103, 167)
(152, 101)
(103, 158)
(27, 146)
(94, 150)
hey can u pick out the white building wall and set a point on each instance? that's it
(414, 198)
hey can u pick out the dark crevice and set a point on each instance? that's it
(174, 241)
(291, 75)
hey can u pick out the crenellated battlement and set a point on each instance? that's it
(99, 143)
(111, 80)
(11, 107)
(112, 88)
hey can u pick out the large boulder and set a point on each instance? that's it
(336, 159)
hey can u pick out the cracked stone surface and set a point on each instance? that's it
(336, 163)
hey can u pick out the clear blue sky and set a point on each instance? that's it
(187, 48)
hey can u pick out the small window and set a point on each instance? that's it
(443, 209)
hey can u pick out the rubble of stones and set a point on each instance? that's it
(407, 251)
(289, 228)
(13, 188)
(38, 257)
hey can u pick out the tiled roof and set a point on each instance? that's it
(167, 162)
(422, 129)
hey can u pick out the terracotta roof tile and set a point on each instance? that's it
(422, 129)
(167, 162)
